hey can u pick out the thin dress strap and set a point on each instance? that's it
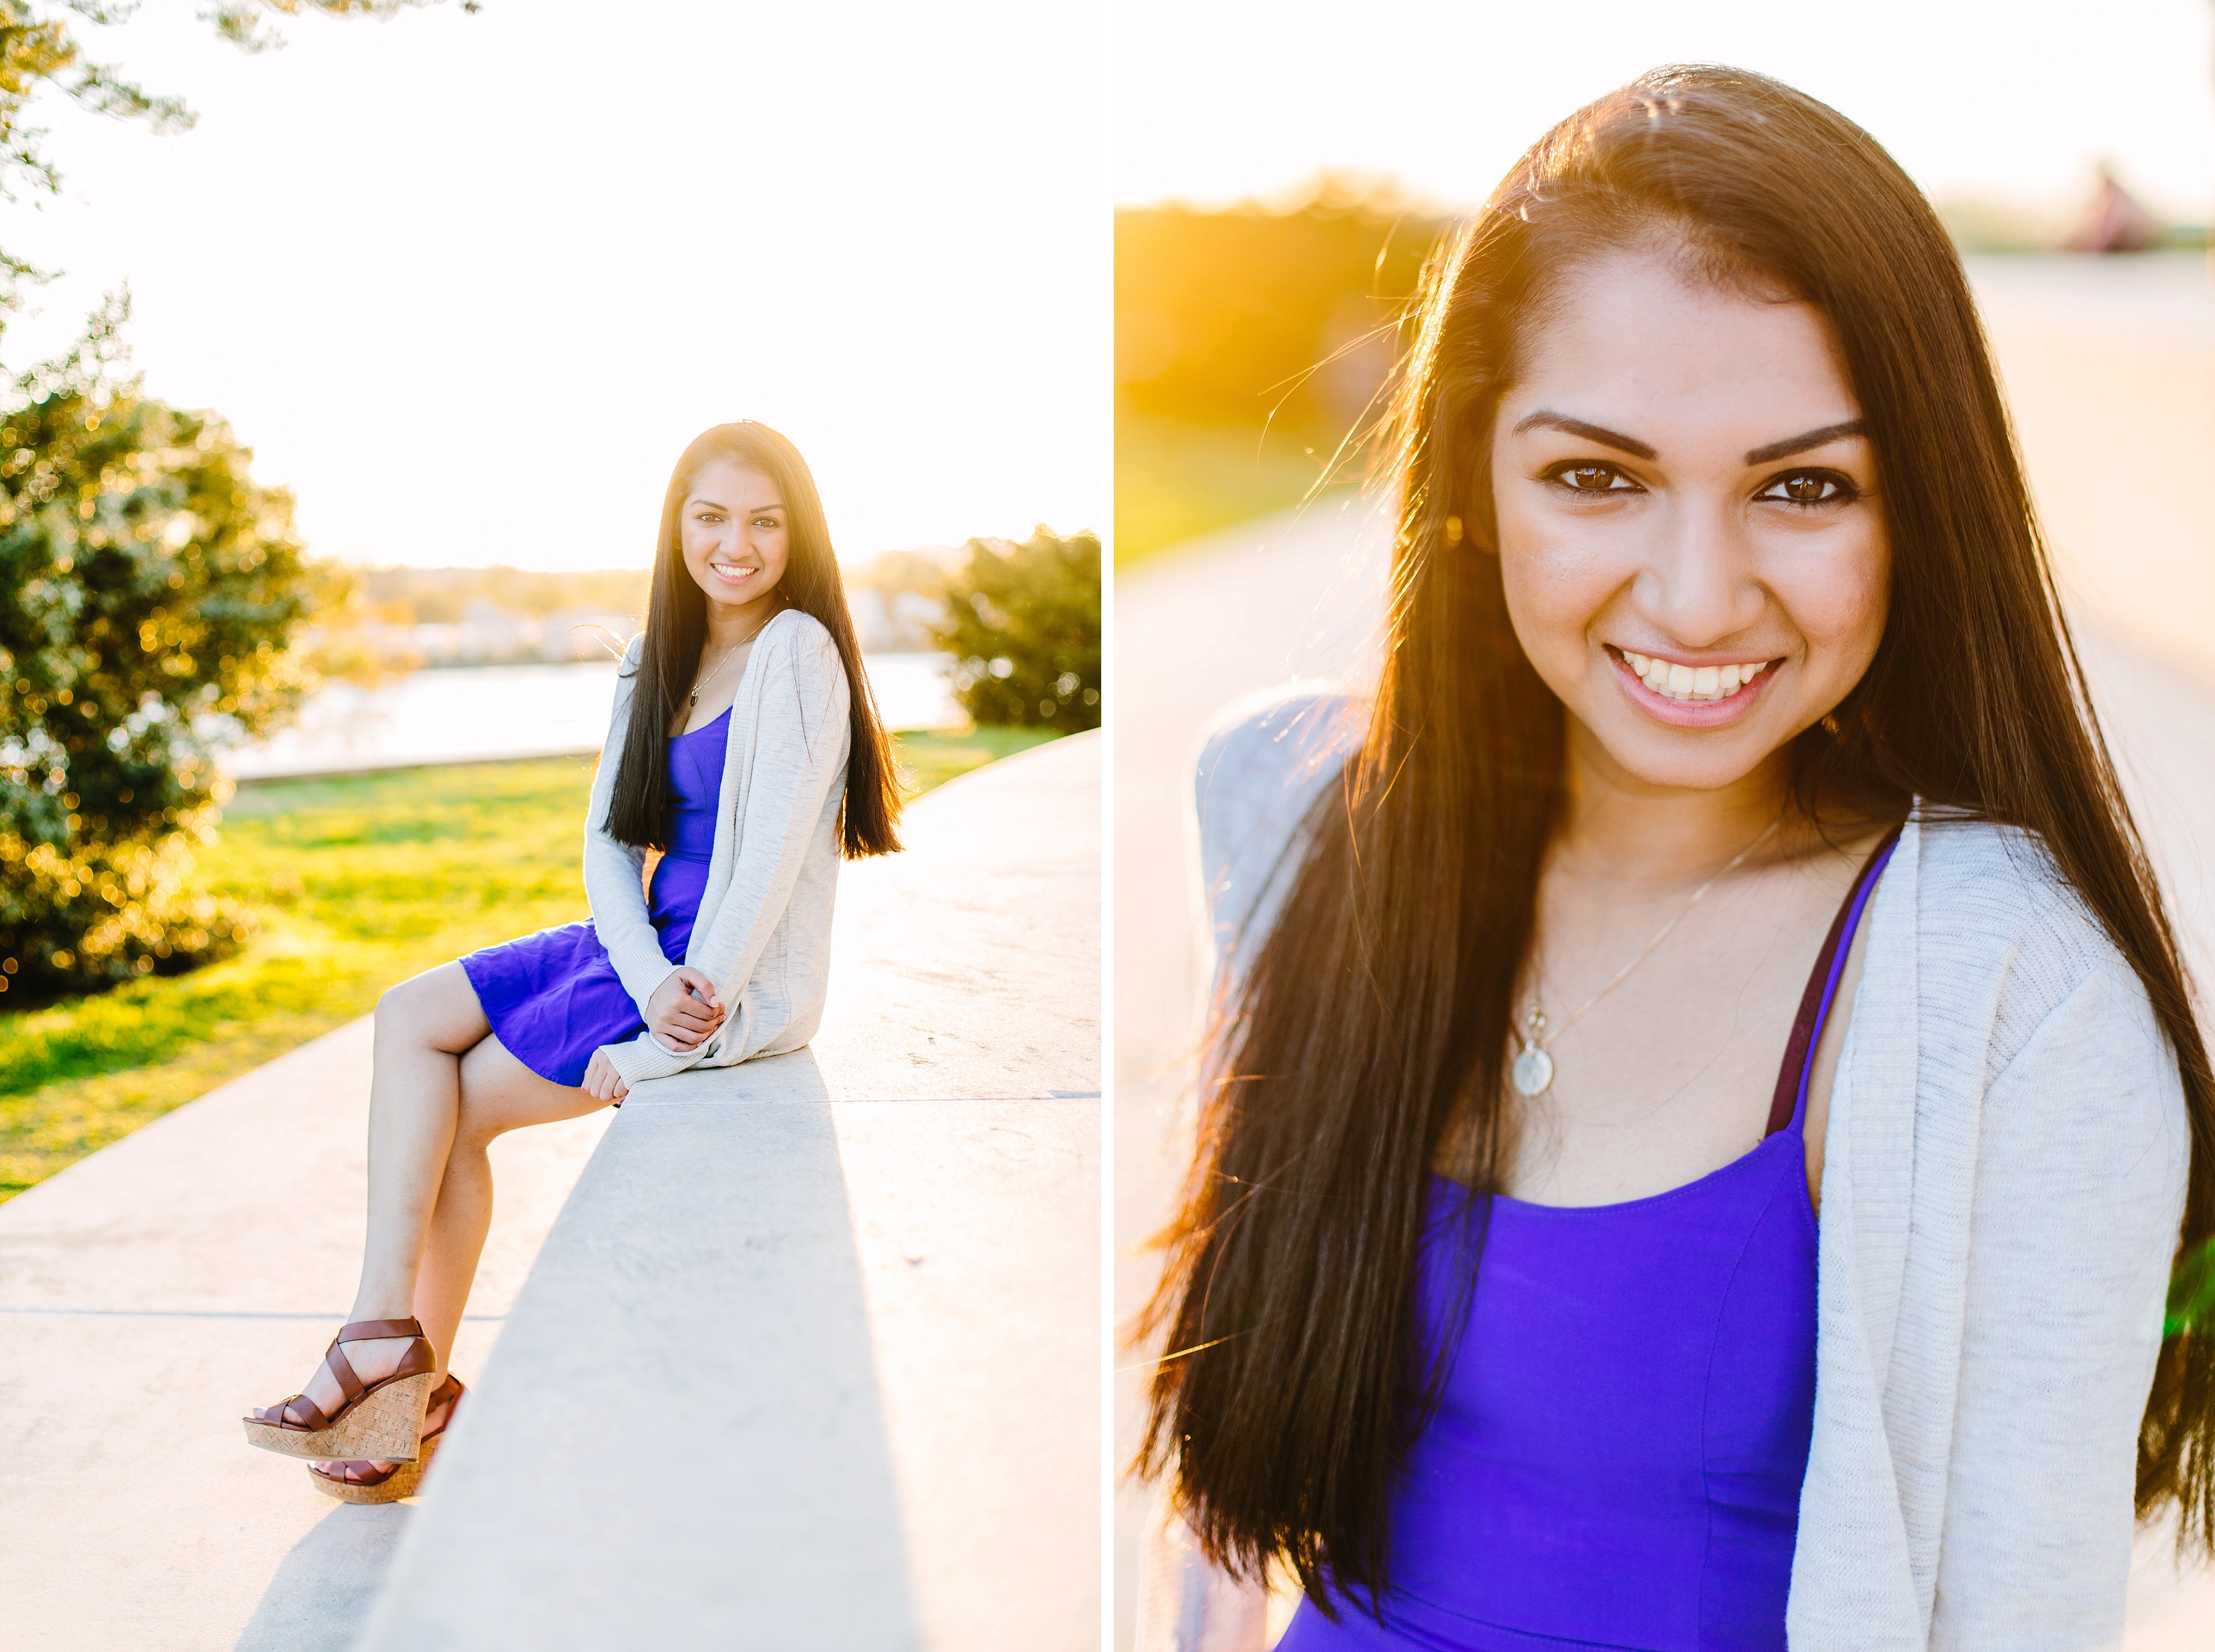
(1822, 987)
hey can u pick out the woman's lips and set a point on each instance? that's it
(1691, 713)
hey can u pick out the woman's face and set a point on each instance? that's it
(1694, 556)
(733, 524)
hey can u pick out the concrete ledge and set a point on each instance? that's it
(812, 1356)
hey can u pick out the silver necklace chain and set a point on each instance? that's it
(1532, 1070)
(694, 699)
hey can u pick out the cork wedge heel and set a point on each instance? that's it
(363, 1482)
(382, 1419)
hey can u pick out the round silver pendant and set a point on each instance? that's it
(1532, 1070)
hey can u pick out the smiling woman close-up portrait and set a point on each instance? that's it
(1700, 1108)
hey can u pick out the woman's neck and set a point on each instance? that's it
(1615, 827)
(732, 623)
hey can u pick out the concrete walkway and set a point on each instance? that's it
(799, 1366)
(1306, 592)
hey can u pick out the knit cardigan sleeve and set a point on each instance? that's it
(2002, 1185)
(801, 735)
(2080, 1183)
(614, 872)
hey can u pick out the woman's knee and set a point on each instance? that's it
(439, 1008)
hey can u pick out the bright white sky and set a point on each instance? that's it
(467, 285)
(1216, 100)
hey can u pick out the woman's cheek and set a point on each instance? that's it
(1839, 604)
(1556, 581)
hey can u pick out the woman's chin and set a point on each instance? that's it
(1653, 757)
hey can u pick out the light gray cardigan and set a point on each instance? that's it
(763, 933)
(2004, 1180)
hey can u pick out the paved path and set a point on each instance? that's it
(196, 1266)
(151, 1292)
(1300, 595)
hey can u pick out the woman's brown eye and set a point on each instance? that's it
(1808, 487)
(1590, 478)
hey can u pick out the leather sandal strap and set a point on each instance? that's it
(353, 1472)
(342, 1371)
(420, 1357)
(308, 1414)
(363, 1330)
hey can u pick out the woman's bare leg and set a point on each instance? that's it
(498, 1094)
(425, 1028)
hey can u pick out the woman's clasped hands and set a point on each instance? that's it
(683, 1010)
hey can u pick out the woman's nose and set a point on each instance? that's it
(1698, 582)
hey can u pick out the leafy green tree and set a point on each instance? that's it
(148, 590)
(1023, 625)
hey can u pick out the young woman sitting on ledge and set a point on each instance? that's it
(744, 748)
(1726, 876)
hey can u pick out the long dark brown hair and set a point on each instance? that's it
(641, 810)
(1375, 1012)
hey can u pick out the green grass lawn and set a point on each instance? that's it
(359, 882)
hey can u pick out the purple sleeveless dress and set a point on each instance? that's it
(553, 998)
(1617, 1458)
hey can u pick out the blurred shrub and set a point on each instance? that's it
(148, 590)
(1023, 623)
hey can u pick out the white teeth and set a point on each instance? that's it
(1693, 682)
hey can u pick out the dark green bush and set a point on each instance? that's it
(149, 589)
(1023, 623)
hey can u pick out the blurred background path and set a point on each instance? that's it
(2110, 364)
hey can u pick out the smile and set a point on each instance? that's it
(731, 571)
(1691, 685)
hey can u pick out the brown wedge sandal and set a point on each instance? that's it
(379, 1420)
(358, 1480)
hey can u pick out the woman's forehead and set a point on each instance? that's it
(733, 486)
(1635, 341)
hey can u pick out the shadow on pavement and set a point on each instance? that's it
(323, 1590)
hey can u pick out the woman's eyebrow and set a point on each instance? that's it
(1801, 444)
(1590, 432)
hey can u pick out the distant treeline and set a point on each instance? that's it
(1248, 343)
(1277, 313)
(443, 596)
